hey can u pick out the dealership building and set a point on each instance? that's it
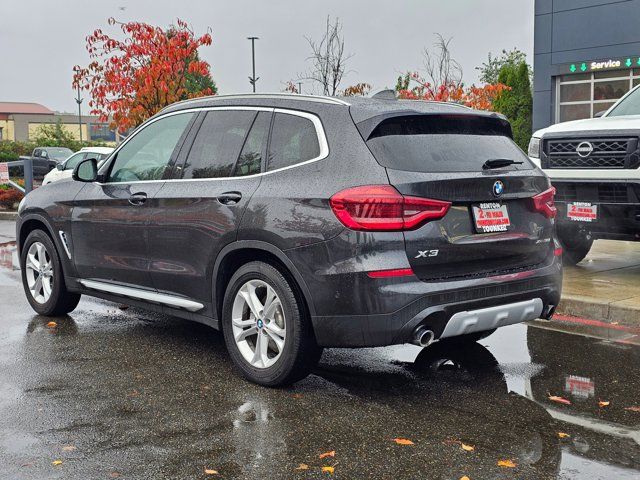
(586, 56)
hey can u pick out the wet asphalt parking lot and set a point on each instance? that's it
(124, 393)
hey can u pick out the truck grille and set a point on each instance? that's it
(610, 153)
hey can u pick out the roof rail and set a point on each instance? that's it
(294, 96)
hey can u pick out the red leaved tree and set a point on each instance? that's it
(130, 80)
(413, 87)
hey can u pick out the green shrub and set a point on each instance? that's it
(517, 103)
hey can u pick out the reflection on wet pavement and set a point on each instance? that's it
(128, 392)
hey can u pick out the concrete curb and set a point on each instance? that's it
(11, 216)
(623, 312)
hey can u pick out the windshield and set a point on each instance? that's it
(434, 143)
(630, 105)
(59, 153)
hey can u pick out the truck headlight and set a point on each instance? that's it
(534, 147)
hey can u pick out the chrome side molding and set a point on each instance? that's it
(492, 317)
(138, 293)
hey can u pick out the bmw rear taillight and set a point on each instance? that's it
(383, 208)
(544, 203)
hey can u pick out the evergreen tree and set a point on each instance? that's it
(516, 104)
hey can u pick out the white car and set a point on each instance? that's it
(594, 164)
(65, 169)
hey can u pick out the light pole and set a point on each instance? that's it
(253, 79)
(79, 102)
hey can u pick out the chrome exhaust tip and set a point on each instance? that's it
(423, 337)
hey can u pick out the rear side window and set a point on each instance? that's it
(443, 143)
(250, 160)
(293, 140)
(218, 143)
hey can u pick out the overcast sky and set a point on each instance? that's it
(41, 40)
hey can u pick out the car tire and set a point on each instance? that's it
(39, 259)
(278, 347)
(575, 247)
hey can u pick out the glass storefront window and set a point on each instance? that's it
(575, 92)
(574, 112)
(583, 95)
(611, 90)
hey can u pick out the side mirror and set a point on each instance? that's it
(86, 170)
(599, 114)
(59, 166)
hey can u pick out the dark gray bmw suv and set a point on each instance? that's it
(294, 223)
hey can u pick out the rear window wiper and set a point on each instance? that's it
(499, 163)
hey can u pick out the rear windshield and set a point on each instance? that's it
(443, 143)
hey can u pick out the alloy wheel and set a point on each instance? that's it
(39, 272)
(258, 323)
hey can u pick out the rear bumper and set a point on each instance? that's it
(398, 327)
(351, 309)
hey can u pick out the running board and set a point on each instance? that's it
(137, 293)
(492, 317)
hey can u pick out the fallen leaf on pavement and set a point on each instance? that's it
(467, 448)
(302, 466)
(114, 474)
(603, 403)
(328, 470)
(506, 464)
(56, 462)
(563, 435)
(332, 453)
(403, 441)
(210, 471)
(68, 448)
(465, 478)
(52, 324)
(633, 409)
(297, 395)
(554, 398)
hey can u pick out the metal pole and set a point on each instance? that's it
(27, 162)
(79, 101)
(253, 79)
(300, 87)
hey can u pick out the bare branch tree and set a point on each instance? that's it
(440, 67)
(328, 59)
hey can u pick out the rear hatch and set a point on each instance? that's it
(493, 226)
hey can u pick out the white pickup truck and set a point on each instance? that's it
(594, 164)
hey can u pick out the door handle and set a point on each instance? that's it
(138, 198)
(229, 198)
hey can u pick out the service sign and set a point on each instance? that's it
(601, 64)
(4, 173)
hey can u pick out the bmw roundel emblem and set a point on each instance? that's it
(498, 188)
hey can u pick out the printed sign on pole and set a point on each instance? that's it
(4, 173)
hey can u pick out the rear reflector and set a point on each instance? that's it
(383, 208)
(544, 203)
(557, 252)
(397, 272)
